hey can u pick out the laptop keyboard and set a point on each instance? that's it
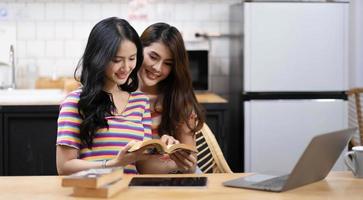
(272, 183)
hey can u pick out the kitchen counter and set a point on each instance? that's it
(209, 97)
(55, 97)
(11, 97)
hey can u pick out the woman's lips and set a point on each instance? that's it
(151, 75)
(122, 75)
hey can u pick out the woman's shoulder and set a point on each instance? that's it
(73, 96)
(140, 96)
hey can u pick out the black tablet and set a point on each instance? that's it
(168, 181)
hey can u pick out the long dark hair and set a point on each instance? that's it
(179, 101)
(102, 46)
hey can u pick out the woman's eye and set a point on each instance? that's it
(153, 57)
(116, 61)
(169, 64)
(132, 58)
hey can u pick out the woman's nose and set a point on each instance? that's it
(126, 64)
(157, 67)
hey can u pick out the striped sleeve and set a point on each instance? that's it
(69, 121)
(146, 120)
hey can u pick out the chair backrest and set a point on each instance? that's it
(210, 156)
(355, 97)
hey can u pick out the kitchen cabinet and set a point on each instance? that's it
(216, 118)
(28, 135)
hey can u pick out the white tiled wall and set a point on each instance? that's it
(52, 33)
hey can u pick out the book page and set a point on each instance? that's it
(157, 146)
(149, 146)
(178, 147)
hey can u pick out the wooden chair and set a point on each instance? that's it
(210, 156)
(355, 97)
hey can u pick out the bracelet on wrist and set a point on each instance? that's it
(104, 163)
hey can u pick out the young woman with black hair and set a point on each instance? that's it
(165, 78)
(98, 123)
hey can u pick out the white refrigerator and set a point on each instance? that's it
(294, 71)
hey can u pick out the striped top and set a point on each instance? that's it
(134, 123)
(156, 120)
(155, 109)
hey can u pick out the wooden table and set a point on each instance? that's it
(338, 185)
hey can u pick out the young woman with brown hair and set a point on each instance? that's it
(165, 78)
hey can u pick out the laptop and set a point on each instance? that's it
(314, 165)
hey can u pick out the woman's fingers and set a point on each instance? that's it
(182, 167)
(169, 140)
(183, 155)
(124, 157)
(127, 147)
(164, 139)
(185, 160)
(176, 141)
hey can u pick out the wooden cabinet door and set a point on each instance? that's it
(216, 119)
(29, 140)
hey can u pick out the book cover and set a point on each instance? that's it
(158, 146)
(105, 191)
(93, 178)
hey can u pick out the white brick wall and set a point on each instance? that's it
(63, 30)
(53, 33)
(26, 30)
(54, 11)
(34, 49)
(45, 30)
(35, 11)
(73, 11)
(92, 11)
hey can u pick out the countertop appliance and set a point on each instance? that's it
(198, 63)
(289, 74)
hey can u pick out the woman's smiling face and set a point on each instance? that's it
(122, 64)
(157, 64)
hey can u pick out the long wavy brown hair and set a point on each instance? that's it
(178, 98)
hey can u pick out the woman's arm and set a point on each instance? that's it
(68, 161)
(186, 162)
(68, 141)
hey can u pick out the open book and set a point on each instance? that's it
(93, 178)
(157, 146)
